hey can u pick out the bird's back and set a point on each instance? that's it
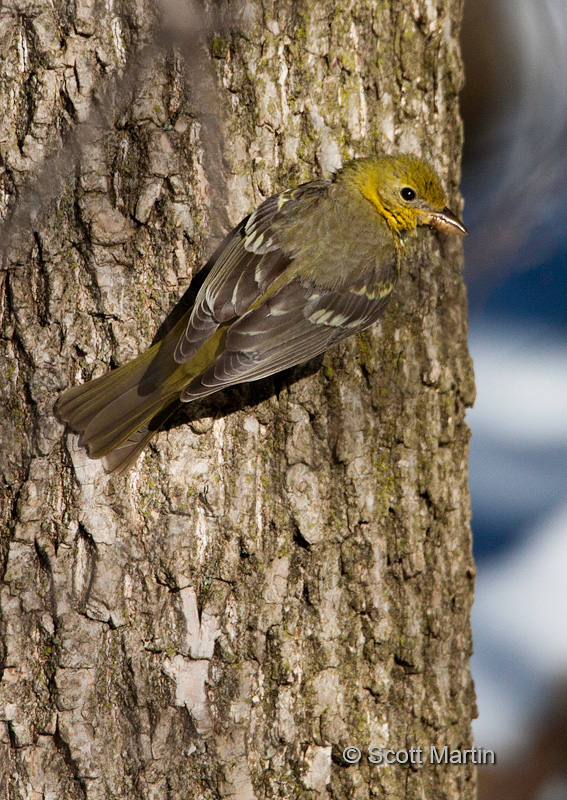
(340, 240)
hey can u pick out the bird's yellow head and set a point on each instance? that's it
(405, 191)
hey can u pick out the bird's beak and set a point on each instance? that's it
(446, 222)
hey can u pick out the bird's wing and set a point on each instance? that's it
(293, 325)
(249, 261)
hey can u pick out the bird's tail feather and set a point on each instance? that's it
(117, 414)
(123, 456)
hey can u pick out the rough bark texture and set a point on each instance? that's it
(288, 570)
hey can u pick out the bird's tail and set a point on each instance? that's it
(117, 414)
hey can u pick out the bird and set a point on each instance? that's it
(310, 266)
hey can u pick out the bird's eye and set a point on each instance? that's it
(407, 193)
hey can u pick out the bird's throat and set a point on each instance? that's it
(397, 223)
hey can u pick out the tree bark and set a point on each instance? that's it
(288, 569)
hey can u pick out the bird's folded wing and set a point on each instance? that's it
(292, 326)
(249, 261)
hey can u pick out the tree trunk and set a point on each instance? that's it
(288, 569)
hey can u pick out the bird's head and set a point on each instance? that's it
(406, 192)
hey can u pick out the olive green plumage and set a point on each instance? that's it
(309, 267)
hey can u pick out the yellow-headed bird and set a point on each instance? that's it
(309, 267)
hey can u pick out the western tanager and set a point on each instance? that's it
(307, 268)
